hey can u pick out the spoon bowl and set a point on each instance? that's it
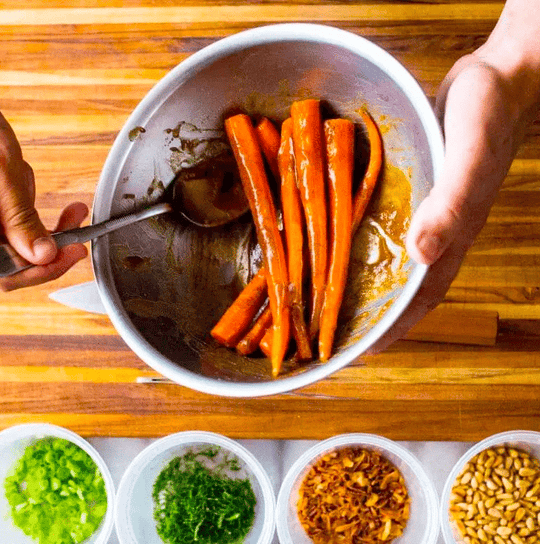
(210, 194)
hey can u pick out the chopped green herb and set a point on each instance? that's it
(197, 501)
(134, 133)
(56, 492)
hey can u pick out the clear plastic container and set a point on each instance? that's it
(528, 441)
(134, 504)
(423, 524)
(13, 442)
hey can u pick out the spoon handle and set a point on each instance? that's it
(83, 234)
(11, 262)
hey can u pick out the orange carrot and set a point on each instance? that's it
(364, 192)
(245, 146)
(235, 322)
(266, 342)
(269, 140)
(293, 226)
(308, 151)
(339, 141)
(251, 340)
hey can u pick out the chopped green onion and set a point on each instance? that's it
(56, 493)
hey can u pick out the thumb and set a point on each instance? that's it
(20, 221)
(436, 223)
(480, 143)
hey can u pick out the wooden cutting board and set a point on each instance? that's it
(71, 71)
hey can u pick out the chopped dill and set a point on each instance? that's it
(197, 502)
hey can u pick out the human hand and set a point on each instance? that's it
(485, 117)
(21, 225)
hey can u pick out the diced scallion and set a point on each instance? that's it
(56, 493)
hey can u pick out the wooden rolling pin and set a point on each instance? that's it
(457, 326)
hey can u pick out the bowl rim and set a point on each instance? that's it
(39, 431)
(358, 439)
(504, 437)
(168, 442)
(285, 32)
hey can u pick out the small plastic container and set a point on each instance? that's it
(13, 442)
(134, 504)
(423, 524)
(528, 441)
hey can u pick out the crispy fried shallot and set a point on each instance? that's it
(353, 496)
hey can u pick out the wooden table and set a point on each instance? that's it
(71, 71)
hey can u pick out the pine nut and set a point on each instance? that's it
(496, 498)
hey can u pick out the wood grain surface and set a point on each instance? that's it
(70, 74)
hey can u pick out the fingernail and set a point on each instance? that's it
(431, 247)
(44, 249)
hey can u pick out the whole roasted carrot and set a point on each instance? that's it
(235, 322)
(245, 146)
(269, 140)
(251, 340)
(293, 226)
(308, 151)
(266, 342)
(339, 140)
(365, 190)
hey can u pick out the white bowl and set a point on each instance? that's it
(423, 524)
(134, 504)
(528, 441)
(165, 308)
(13, 442)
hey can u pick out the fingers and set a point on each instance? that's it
(19, 220)
(480, 144)
(65, 259)
(71, 217)
(21, 225)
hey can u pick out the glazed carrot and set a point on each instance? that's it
(303, 352)
(235, 322)
(243, 140)
(339, 143)
(266, 342)
(308, 151)
(293, 226)
(301, 334)
(301, 337)
(251, 340)
(269, 140)
(364, 192)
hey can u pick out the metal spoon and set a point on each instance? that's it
(11, 262)
(208, 195)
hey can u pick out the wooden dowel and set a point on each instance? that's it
(457, 326)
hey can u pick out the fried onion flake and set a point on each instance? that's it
(353, 496)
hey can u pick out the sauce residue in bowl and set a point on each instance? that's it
(379, 262)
